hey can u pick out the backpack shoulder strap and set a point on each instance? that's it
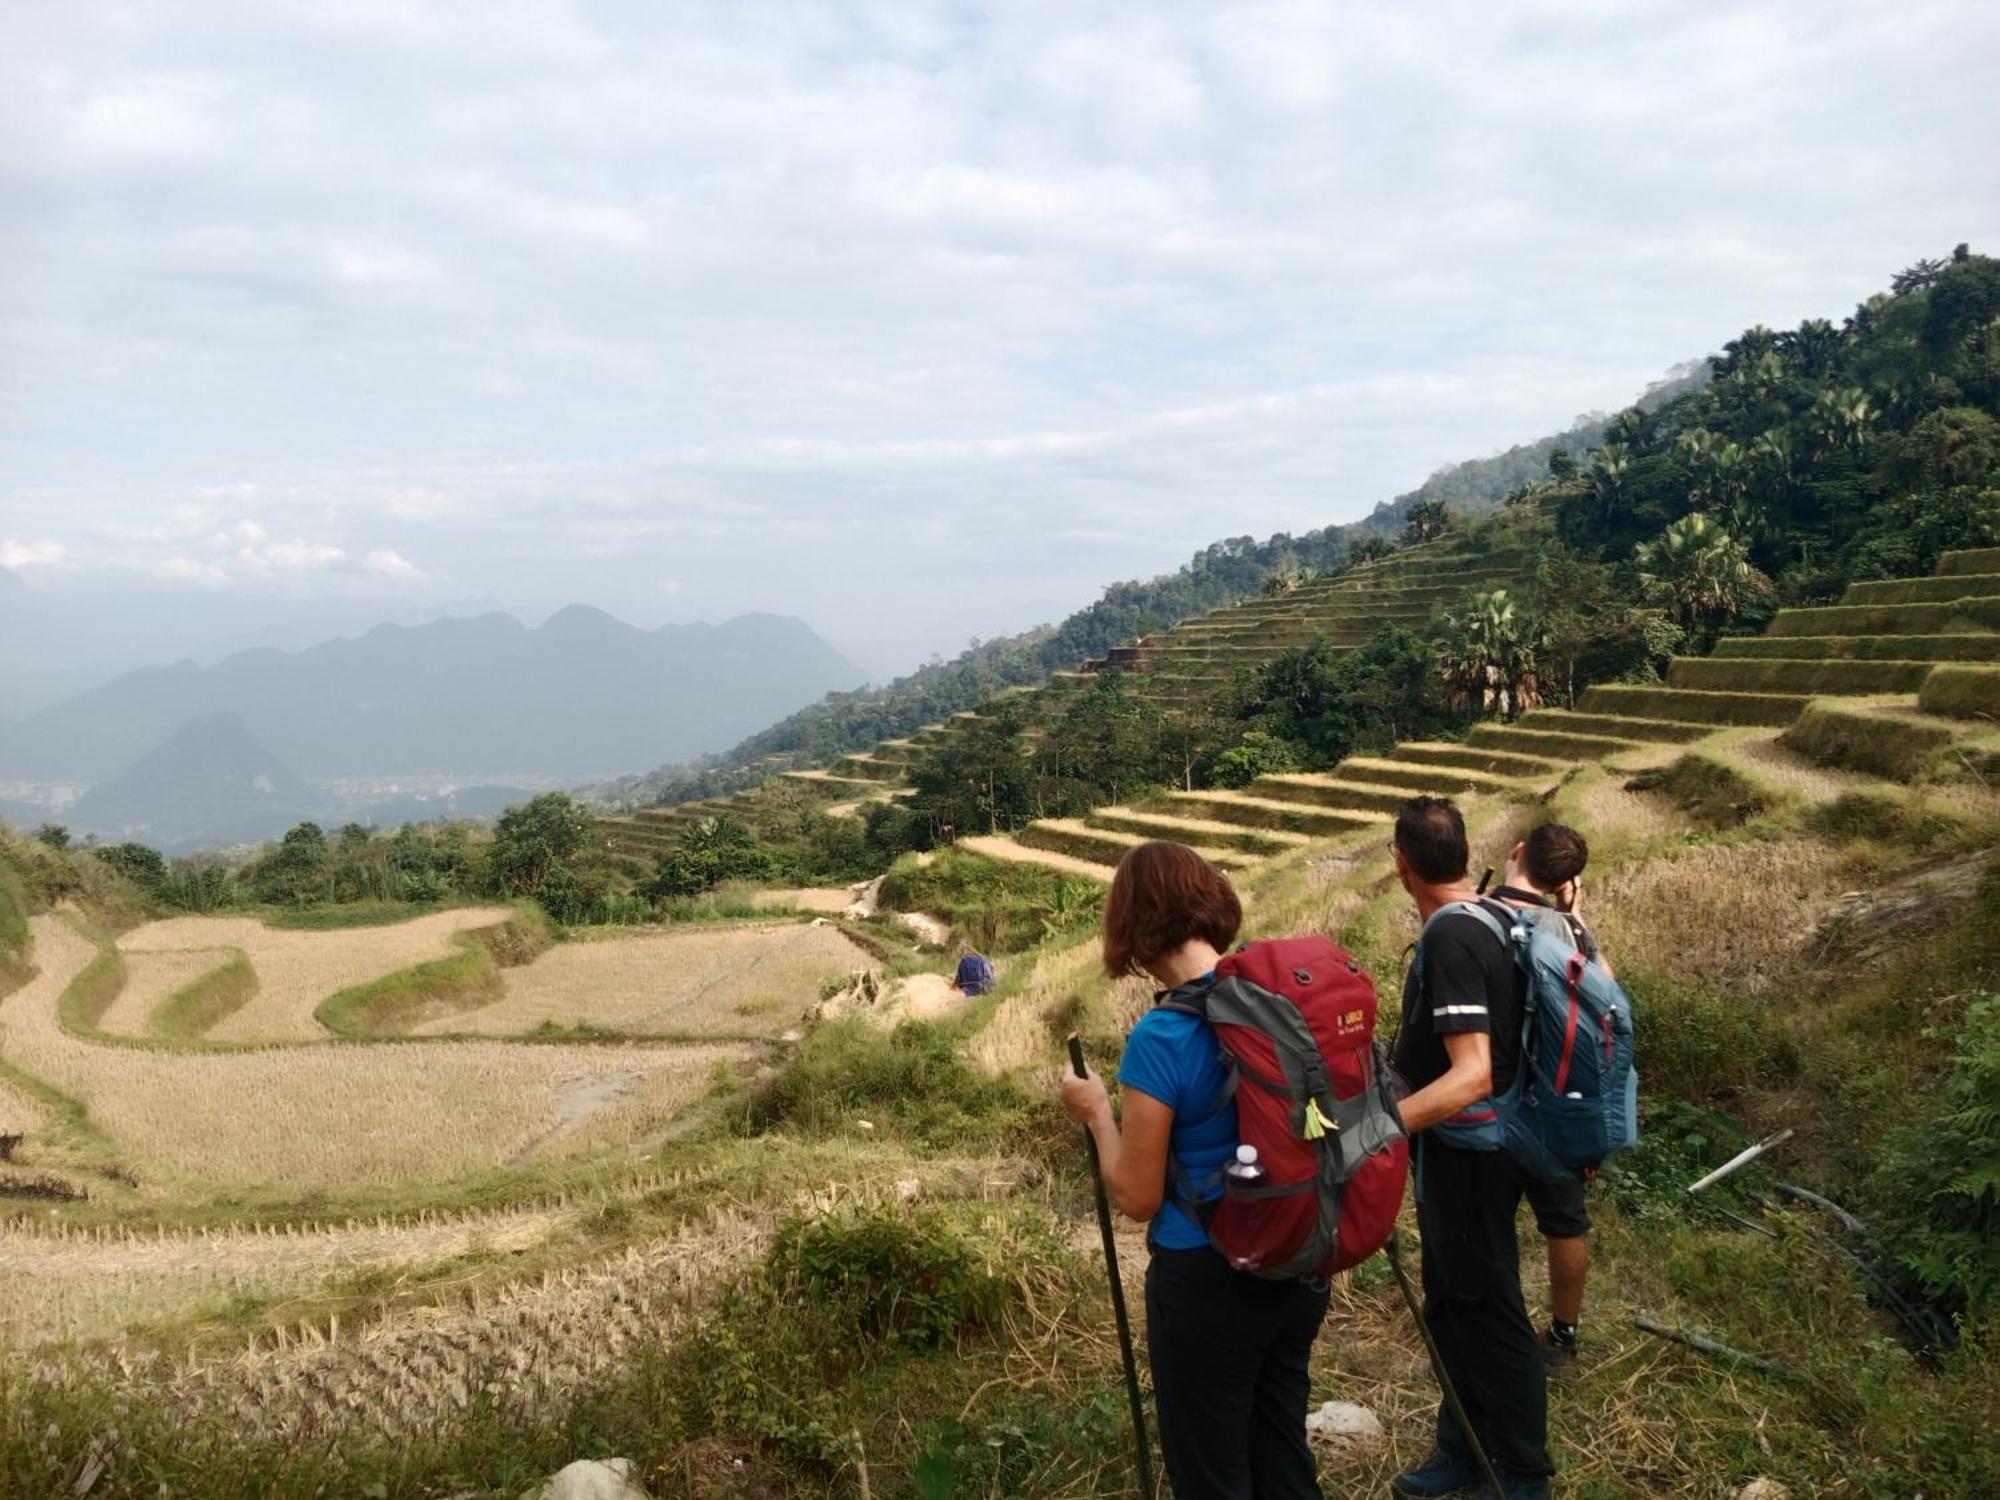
(1481, 909)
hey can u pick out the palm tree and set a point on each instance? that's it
(1841, 418)
(1716, 475)
(1369, 548)
(1698, 571)
(1488, 657)
(1426, 521)
(1813, 347)
(1607, 479)
(1746, 349)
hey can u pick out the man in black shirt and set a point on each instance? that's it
(1460, 1042)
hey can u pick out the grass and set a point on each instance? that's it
(1951, 587)
(350, 914)
(399, 1001)
(1693, 707)
(1826, 676)
(190, 1013)
(90, 994)
(1000, 907)
(1855, 739)
(1979, 616)
(1861, 647)
(1962, 692)
(1709, 790)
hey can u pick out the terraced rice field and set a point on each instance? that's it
(73, 1286)
(150, 977)
(335, 1118)
(295, 970)
(727, 982)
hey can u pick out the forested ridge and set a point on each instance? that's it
(1220, 574)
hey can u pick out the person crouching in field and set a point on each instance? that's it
(1227, 1351)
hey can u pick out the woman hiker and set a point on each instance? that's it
(1227, 1350)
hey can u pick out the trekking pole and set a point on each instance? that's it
(1139, 1448)
(1395, 1248)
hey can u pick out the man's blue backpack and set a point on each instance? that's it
(975, 975)
(1574, 1099)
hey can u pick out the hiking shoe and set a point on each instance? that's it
(1440, 1474)
(1514, 1486)
(1559, 1354)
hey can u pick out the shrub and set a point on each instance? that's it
(1256, 754)
(1001, 907)
(910, 1280)
(1962, 690)
(912, 1078)
(1936, 1189)
(1898, 749)
(1704, 1042)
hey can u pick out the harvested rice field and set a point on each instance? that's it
(754, 980)
(76, 1286)
(337, 1118)
(297, 970)
(150, 977)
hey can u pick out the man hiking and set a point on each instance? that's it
(1546, 870)
(1460, 1042)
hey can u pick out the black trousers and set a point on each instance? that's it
(1472, 1302)
(1228, 1353)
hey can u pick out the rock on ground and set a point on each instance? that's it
(1764, 1489)
(591, 1479)
(1345, 1420)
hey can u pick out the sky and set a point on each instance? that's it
(921, 322)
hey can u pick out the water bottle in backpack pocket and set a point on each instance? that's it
(1247, 1222)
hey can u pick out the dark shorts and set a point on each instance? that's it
(1560, 1212)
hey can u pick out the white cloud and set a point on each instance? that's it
(792, 303)
(178, 569)
(386, 562)
(21, 556)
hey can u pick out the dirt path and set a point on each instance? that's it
(576, 1102)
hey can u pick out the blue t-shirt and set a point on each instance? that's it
(1174, 1057)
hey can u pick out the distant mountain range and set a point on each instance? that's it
(211, 784)
(485, 698)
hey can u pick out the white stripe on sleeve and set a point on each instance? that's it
(1461, 1010)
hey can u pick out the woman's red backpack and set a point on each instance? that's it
(1316, 1097)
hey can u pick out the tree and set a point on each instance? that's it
(1488, 657)
(1370, 548)
(977, 781)
(1699, 573)
(1255, 754)
(1425, 521)
(711, 851)
(139, 863)
(537, 838)
(1589, 632)
(1326, 705)
(296, 870)
(53, 835)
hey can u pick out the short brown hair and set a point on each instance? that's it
(1163, 895)
(1553, 855)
